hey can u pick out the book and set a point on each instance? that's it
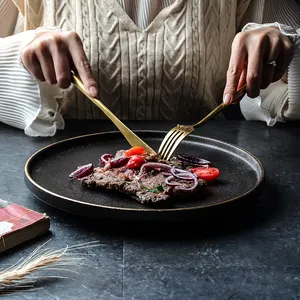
(19, 224)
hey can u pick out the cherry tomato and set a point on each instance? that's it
(135, 162)
(135, 151)
(207, 174)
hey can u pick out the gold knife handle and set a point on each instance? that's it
(130, 136)
(97, 102)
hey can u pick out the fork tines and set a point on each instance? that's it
(171, 141)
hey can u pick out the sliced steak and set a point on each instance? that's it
(149, 188)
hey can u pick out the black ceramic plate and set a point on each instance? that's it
(46, 175)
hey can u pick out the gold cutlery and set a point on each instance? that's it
(130, 136)
(178, 133)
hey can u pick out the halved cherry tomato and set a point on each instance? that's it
(135, 151)
(135, 162)
(207, 174)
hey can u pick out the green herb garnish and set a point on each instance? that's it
(155, 190)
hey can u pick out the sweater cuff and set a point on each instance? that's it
(284, 29)
(280, 101)
(21, 105)
(292, 111)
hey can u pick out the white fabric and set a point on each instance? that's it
(20, 98)
(36, 113)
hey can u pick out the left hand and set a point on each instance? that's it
(252, 51)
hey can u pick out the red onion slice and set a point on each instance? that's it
(119, 162)
(108, 161)
(82, 171)
(182, 174)
(105, 157)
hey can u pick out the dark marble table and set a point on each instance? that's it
(249, 250)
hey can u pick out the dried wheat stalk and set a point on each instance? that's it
(19, 275)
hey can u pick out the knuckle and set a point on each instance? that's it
(41, 46)
(230, 87)
(73, 36)
(273, 32)
(26, 55)
(49, 39)
(276, 40)
(261, 40)
(240, 37)
(53, 41)
(233, 72)
(239, 40)
(85, 65)
(276, 43)
(90, 83)
(57, 42)
(46, 42)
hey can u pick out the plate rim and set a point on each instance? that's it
(160, 210)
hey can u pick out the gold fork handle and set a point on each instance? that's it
(131, 137)
(210, 115)
(219, 108)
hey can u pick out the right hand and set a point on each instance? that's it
(52, 55)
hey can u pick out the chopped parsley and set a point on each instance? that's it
(155, 190)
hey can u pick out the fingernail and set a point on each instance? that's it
(93, 91)
(227, 99)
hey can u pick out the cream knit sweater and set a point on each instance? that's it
(153, 59)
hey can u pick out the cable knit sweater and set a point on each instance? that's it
(153, 59)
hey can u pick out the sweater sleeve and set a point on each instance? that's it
(21, 102)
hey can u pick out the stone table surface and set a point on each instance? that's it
(249, 250)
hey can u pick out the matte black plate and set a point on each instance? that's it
(46, 175)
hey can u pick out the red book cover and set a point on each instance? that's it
(15, 218)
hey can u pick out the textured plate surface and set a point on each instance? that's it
(46, 175)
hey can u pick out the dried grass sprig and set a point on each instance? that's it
(19, 276)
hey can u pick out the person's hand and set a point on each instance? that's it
(52, 55)
(251, 57)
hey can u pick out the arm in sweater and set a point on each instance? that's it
(21, 104)
(281, 100)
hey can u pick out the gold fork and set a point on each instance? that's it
(131, 137)
(178, 133)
